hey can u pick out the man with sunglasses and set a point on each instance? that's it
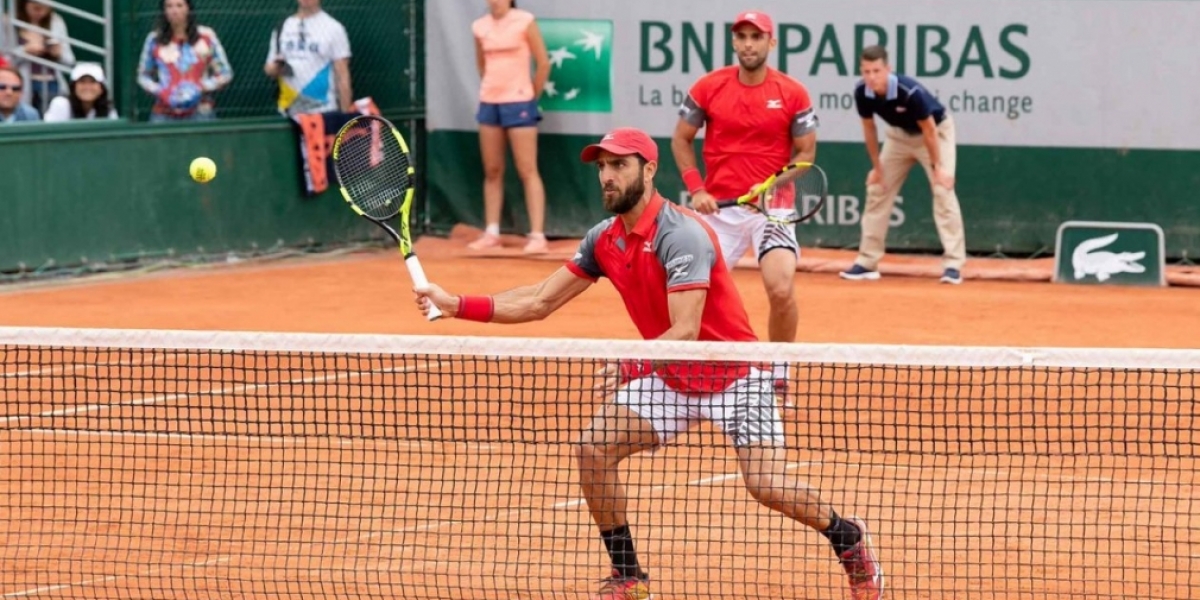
(12, 110)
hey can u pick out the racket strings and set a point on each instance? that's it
(374, 169)
(810, 188)
(799, 195)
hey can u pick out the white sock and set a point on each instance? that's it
(493, 229)
(537, 236)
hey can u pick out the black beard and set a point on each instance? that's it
(752, 67)
(625, 202)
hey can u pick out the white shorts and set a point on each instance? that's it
(746, 412)
(741, 228)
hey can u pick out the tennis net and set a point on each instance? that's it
(193, 464)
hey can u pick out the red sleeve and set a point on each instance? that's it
(699, 285)
(799, 98)
(701, 91)
(579, 272)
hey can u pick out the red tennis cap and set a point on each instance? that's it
(757, 18)
(623, 141)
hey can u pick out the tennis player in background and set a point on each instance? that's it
(758, 120)
(663, 261)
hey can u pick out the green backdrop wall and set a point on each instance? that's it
(1013, 198)
(87, 192)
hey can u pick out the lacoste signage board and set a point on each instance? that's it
(1094, 252)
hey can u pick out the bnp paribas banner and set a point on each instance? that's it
(1054, 73)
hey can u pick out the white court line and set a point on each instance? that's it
(167, 398)
(1021, 477)
(75, 366)
(205, 563)
(696, 482)
(257, 439)
(249, 266)
(51, 588)
(561, 505)
(237, 389)
(234, 438)
(436, 525)
(708, 480)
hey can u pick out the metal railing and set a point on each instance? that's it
(105, 20)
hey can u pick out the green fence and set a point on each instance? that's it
(100, 192)
(383, 39)
(1013, 198)
(110, 192)
(85, 30)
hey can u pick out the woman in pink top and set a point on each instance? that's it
(506, 40)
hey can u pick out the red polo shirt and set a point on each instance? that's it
(669, 250)
(750, 129)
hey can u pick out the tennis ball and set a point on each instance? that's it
(203, 169)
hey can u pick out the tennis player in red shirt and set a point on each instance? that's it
(756, 120)
(663, 261)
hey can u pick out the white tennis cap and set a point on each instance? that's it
(88, 69)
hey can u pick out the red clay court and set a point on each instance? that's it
(313, 470)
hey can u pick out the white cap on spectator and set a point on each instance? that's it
(87, 69)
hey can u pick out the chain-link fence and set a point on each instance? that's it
(382, 35)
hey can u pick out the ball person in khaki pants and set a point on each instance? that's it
(918, 130)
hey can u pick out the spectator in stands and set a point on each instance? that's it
(310, 56)
(12, 109)
(5, 50)
(507, 40)
(88, 98)
(43, 83)
(182, 64)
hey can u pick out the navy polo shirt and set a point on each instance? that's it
(906, 103)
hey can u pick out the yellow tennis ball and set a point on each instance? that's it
(203, 169)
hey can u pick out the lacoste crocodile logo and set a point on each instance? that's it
(1088, 260)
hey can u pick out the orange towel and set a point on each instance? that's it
(316, 132)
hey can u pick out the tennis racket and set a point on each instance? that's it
(376, 177)
(805, 181)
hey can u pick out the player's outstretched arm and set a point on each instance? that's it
(536, 302)
(686, 307)
(518, 305)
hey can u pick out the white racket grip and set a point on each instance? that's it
(418, 277)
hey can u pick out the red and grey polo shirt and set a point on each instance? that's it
(669, 250)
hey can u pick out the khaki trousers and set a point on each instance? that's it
(900, 151)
